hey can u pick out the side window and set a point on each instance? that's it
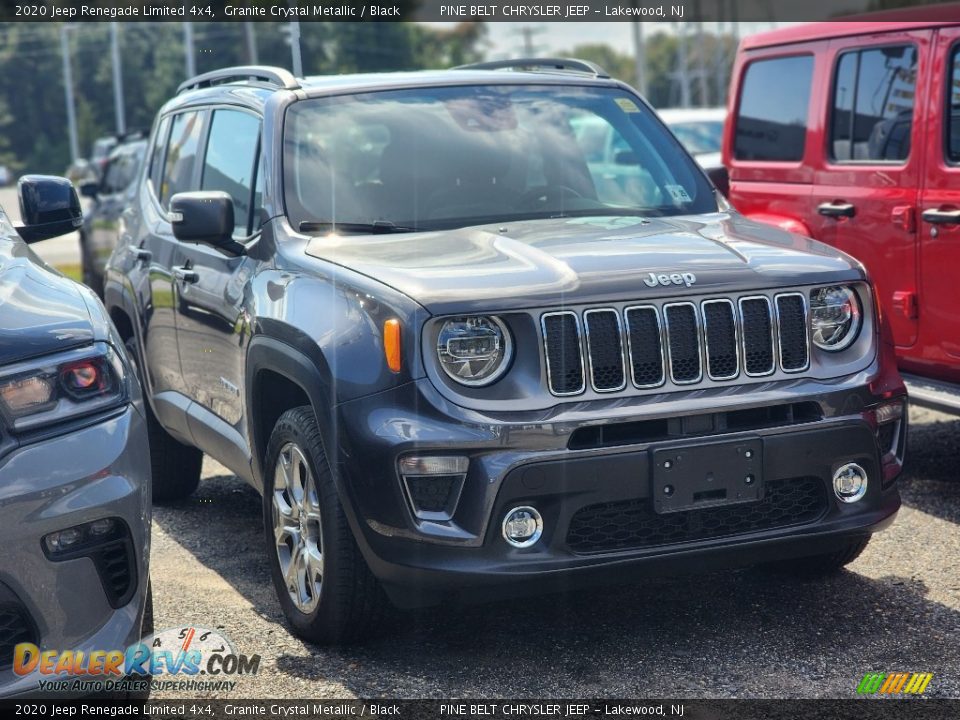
(156, 155)
(230, 160)
(181, 155)
(772, 119)
(873, 97)
(953, 109)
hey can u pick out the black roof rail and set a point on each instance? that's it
(541, 64)
(264, 73)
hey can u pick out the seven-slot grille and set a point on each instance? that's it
(683, 342)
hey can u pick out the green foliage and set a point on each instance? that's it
(33, 120)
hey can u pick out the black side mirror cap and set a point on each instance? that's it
(721, 179)
(204, 216)
(49, 207)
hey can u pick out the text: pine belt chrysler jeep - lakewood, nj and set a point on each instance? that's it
(460, 355)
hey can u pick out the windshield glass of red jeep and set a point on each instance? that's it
(443, 157)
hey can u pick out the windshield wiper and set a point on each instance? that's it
(374, 228)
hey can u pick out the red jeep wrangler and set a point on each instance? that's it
(849, 132)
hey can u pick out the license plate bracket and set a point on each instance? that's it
(707, 475)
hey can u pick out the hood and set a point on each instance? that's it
(542, 263)
(40, 311)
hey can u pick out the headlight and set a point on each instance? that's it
(474, 350)
(51, 389)
(835, 317)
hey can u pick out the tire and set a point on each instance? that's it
(324, 586)
(816, 566)
(175, 467)
(91, 278)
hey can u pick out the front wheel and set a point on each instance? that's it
(325, 588)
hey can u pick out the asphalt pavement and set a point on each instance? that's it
(734, 634)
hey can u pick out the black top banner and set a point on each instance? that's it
(475, 10)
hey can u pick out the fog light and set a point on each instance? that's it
(889, 412)
(522, 526)
(64, 540)
(101, 527)
(850, 483)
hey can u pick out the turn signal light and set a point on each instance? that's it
(391, 344)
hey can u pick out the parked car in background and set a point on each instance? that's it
(74, 471)
(101, 151)
(6, 177)
(456, 360)
(110, 194)
(849, 132)
(700, 130)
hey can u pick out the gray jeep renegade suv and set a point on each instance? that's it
(460, 352)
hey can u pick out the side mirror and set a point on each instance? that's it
(49, 207)
(90, 188)
(204, 217)
(721, 179)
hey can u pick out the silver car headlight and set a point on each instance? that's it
(835, 317)
(55, 388)
(474, 350)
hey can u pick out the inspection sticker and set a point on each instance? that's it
(627, 105)
(678, 193)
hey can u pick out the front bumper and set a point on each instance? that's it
(542, 460)
(94, 472)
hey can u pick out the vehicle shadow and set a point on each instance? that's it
(931, 478)
(741, 633)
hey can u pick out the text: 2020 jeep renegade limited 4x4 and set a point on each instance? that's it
(459, 353)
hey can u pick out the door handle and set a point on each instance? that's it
(185, 275)
(837, 209)
(941, 217)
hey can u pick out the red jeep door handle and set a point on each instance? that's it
(836, 209)
(941, 217)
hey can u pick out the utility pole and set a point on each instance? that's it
(701, 64)
(639, 58)
(117, 78)
(683, 72)
(188, 49)
(295, 48)
(68, 91)
(720, 63)
(250, 34)
(528, 32)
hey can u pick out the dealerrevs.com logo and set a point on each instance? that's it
(186, 658)
(895, 683)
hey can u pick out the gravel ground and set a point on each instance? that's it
(739, 634)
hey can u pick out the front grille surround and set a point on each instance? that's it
(748, 349)
(657, 348)
(546, 335)
(704, 312)
(785, 365)
(605, 387)
(675, 356)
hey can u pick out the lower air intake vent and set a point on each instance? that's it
(633, 524)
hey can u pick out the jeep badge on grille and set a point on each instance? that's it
(687, 278)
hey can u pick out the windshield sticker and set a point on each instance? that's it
(678, 193)
(627, 105)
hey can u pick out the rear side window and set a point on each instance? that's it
(156, 156)
(772, 120)
(873, 96)
(230, 160)
(953, 109)
(181, 155)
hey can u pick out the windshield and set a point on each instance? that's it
(701, 136)
(443, 157)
